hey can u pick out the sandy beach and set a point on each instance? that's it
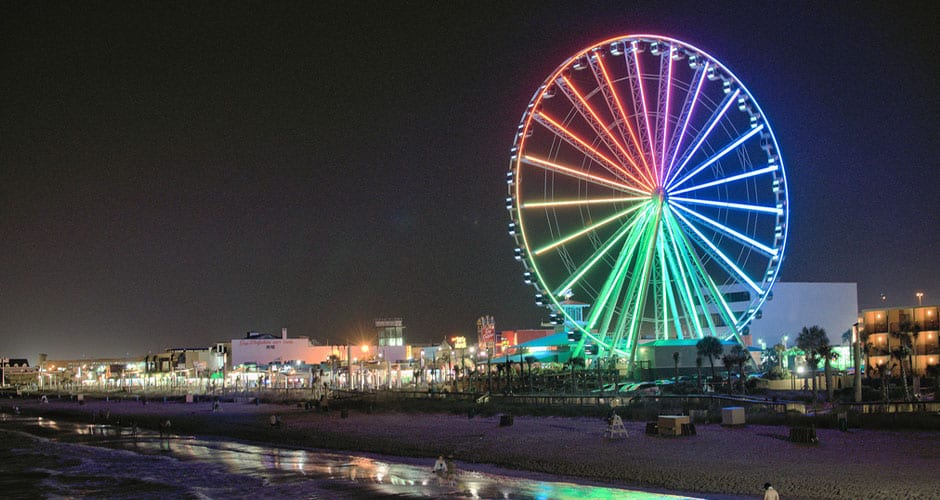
(718, 460)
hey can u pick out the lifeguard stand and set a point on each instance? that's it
(615, 428)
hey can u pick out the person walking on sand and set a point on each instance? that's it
(165, 434)
(770, 493)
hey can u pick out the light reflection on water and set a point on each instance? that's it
(308, 473)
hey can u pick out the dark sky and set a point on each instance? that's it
(176, 174)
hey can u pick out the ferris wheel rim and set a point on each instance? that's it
(526, 123)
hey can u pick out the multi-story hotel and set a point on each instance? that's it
(887, 328)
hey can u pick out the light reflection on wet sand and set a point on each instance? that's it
(313, 473)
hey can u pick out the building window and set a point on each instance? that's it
(744, 296)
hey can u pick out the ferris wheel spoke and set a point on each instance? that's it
(741, 238)
(582, 146)
(603, 133)
(688, 107)
(713, 121)
(696, 287)
(581, 175)
(709, 247)
(668, 299)
(613, 285)
(636, 81)
(683, 288)
(586, 201)
(586, 230)
(705, 283)
(717, 156)
(733, 178)
(662, 117)
(598, 255)
(636, 297)
(732, 206)
(636, 301)
(615, 106)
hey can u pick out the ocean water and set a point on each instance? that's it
(41, 458)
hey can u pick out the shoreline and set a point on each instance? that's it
(718, 460)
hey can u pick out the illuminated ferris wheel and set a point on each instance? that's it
(645, 180)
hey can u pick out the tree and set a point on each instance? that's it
(910, 331)
(710, 347)
(675, 362)
(828, 354)
(906, 333)
(810, 341)
(729, 361)
(698, 371)
(578, 362)
(740, 355)
(867, 348)
(769, 359)
(901, 353)
(781, 351)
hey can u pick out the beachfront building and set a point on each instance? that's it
(654, 359)
(390, 332)
(99, 373)
(884, 329)
(263, 349)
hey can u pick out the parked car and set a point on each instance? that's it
(641, 389)
(609, 388)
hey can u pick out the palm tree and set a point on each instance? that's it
(882, 372)
(828, 354)
(729, 361)
(578, 362)
(911, 331)
(740, 355)
(781, 351)
(698, 372)
(901, 353)
(867, 348)
(710, 347)
(810, 341)
(907, 334)
(675, 362)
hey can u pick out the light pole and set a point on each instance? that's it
(920, 298)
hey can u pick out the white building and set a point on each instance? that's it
(791, 306)
(263, 349)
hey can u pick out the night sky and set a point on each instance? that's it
(177, 174)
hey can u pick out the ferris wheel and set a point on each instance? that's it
(645, 181)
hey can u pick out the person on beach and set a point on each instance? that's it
(440, 466)
(770, 493)
(165, 434)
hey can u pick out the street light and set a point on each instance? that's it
(920, 298)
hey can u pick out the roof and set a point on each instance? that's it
(556, 340)
(680, 343)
